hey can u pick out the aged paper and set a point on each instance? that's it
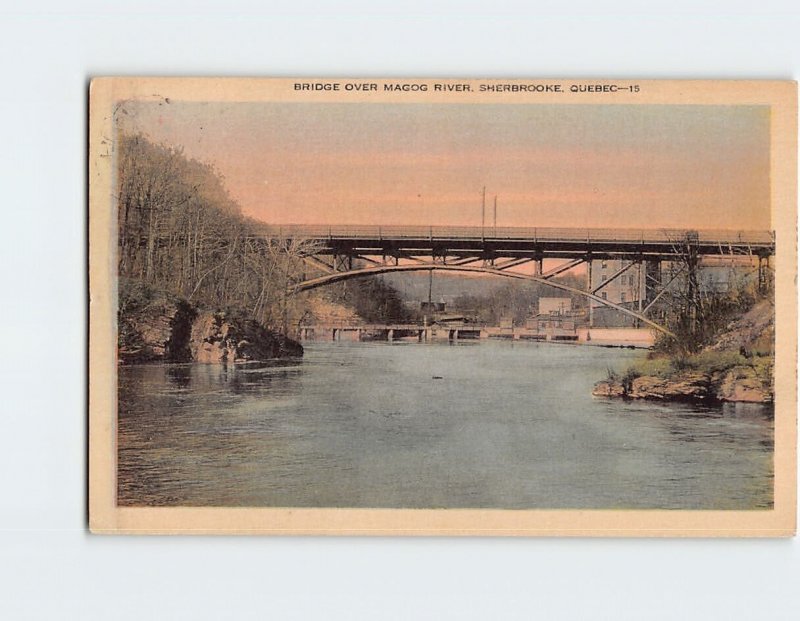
(443, 307)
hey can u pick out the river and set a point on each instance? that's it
(413, 425)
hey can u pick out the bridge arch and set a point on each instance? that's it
(334, 277)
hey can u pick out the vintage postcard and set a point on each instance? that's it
(443, 307)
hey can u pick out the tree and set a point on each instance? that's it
(695, 315)
(181, 232)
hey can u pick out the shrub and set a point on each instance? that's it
(133, 296)
(695, 323)
(715, 361)
(763, 366)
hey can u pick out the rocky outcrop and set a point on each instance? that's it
(609, 388)
(682, 387)
(171, 330)
(737, 366)
(145, 331)
(217, 337)
(753, 331)
(740, 383)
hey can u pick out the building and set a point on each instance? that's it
(432, 307)
(616, 287)
(554, 306)
(635, 285)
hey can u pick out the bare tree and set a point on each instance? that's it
(180, 231)
(693, 313)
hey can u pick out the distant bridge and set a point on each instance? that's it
(425, 332)
(345, 252)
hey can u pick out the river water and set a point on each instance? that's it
(410, 425)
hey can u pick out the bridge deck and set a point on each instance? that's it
(553, 242)
(367, 327)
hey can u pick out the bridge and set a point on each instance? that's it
(450, 332)
(344, 252)
(441, 331)
(533, 243)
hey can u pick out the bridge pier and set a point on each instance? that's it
(639, 291)
(589, 288)
(304, 333)
(763, 265)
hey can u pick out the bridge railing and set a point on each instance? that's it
(553, 234)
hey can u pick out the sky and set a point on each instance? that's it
(624, 166)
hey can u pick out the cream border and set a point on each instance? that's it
(106, 517)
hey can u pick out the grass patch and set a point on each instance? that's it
(704, 362)
(714, 361)
(656, 367)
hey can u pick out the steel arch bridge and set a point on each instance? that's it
(386, 269)
(338, 251)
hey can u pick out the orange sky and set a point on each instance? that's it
(647, 166)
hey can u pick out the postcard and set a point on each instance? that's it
(443, 307)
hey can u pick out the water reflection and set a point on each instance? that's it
(180, 375)
(503, 425)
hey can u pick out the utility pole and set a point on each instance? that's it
(483, 212)
(495, 215)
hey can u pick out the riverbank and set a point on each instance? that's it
(158, 327)
(737, 367)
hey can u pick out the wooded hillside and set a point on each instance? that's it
(181, 232)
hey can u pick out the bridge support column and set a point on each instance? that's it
(640, 290)
(652, 281)
(589, 263)
(762, 274)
